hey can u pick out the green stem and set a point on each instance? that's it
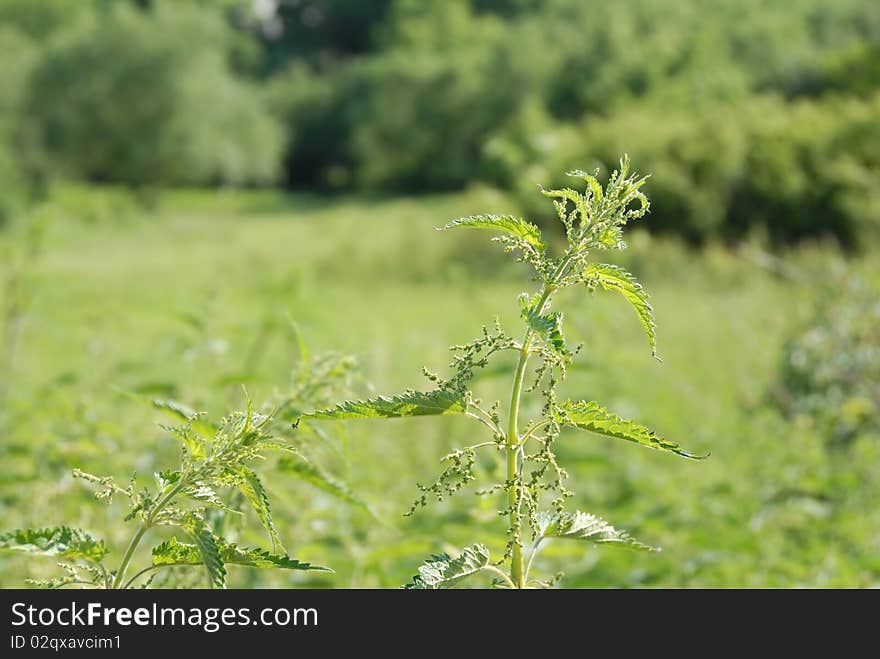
(532, 555)
(513, 443)
(516, 566)
(146, 570)
(139, 534)
(129, 553)
(513, 438)
(494, 569)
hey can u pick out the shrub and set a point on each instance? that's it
(20, 54)
(830, 368)
(146, 97)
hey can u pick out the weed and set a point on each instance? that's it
(593, 222)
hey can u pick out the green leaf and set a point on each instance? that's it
(208, 551)
(61, 541)
(174, 409)
(443, 571)
(584, 526)
(205, 494)
(166, 478)
(547, 326)
(576, 198)
(280, 445)
(614, 278)
(252, 487)
(57, 583)
(595, 418)
(201, 427)
(305, 470)
(180, 412)
(174, 552)
(195, 444)
(508, 223)
(591, 181)
(410, 403)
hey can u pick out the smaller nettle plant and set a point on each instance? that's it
(214, 460)
(533, 485)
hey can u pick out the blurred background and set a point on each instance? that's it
(200, 194)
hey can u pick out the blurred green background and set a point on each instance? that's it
(179, 180)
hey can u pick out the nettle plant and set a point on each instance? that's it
(215, 459)
(593, 222)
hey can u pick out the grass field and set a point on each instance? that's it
(191, 299)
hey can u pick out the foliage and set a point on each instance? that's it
(583, 526)
(830, 370)
(443, 571)
(61, 541)
(213, 460)
(432, 109)
(321, 29)
(593, 221)
(18, 290)
(763, 117)
(793, 169)
(772, 507)
(154, 102)
(366, 125)
(20, 59)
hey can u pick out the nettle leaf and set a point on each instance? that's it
(410, 403)
(585, 526)
(547, 326)
(166, 478)
(614, 278)
(174, 552)
(515, 226)
(208, 550)
(206, 494)
(254, 557)
(591, 180)
(57, 583)
(308, 472)
(576, 198)
(442, 571)
(595, 418)
(178, 412)
(611, 237)
(61, 541)
(279, 445)
(195, 444)
(252, 487)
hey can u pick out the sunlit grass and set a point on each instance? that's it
(173, 300)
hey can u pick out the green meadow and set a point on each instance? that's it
(197, 296)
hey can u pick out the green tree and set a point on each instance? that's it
(147, 97)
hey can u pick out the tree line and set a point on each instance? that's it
(760, 115)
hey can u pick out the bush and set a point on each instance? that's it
(762, 116)
(830, 369)
(794, 170)
(413, 117)
(147, 97)
(811, 169)
(20, 55)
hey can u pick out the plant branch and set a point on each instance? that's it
(500, 573)
(531, 430)
(140, 573)
(532, 555)
(144, 527)
(486, 421)
(76, 582)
